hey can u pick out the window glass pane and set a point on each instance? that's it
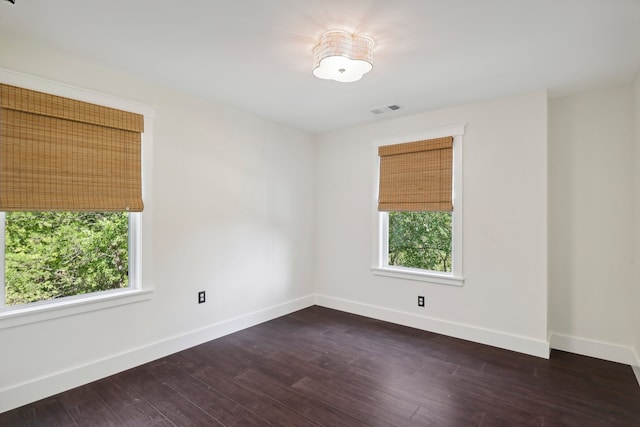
(58, 254)
(420, 240)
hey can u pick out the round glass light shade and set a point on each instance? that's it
(342, 56)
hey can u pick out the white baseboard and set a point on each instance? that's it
(33, 390)
(593, 348)
(499, 339)
(636, 363)
(636, 370)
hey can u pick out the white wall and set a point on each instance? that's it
(636, 273)
(591, 245)
(504, 298)
(233, 209)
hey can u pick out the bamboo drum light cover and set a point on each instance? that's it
(342, 56)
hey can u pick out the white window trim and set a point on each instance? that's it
(380, 220)
(11, 316)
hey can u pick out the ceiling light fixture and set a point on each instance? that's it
(342, 56)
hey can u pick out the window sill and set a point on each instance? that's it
(419, 275)
(47, 310)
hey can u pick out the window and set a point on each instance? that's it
(419, 207)
(50, 255)
(419, 240)
(70, 201)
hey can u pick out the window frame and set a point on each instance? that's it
(11, 316)
(381, 219)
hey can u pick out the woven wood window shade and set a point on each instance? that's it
(416, 176)
(59, 154)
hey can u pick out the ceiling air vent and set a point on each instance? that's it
(386, 109)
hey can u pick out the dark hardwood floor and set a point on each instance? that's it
(324, 367)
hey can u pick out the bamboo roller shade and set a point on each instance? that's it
(416, 176)
(59, 154)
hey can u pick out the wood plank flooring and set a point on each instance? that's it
(321, 367)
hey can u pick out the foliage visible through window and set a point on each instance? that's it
(420, 240)
(57, 254)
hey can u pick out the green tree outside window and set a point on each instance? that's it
(57, 254)
(420, 240)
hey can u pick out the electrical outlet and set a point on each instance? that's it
(201, 297)
(420, 301)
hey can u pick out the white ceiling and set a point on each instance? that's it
(255, 55)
